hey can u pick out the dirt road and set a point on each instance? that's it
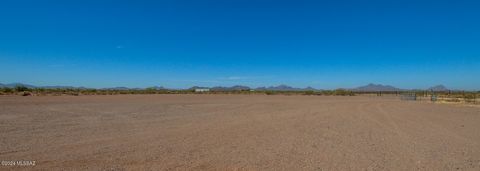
(251, 132)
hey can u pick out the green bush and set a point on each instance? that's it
(20, 88)
(150, 90)
(40, 89)
(343, 92)
(7, 90)
(310, 92)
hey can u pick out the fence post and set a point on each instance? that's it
(433, 98)
(474, 98)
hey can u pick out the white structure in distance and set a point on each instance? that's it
(199, 90)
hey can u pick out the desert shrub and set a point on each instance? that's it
(150, 90)
(40, 90)
(327, 92)
(343, 92)
(7, 90)
(309, 92)
(269, 92)
(20, 88)
(452, 100)
(89, 91)
(162, 92)
(469, 96)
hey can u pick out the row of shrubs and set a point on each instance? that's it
(22, 90)
(75, 92)
(338, 92)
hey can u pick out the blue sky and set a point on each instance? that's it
(178, 44)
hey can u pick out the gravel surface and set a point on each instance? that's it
(236, 132)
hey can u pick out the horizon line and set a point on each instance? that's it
(225, 86)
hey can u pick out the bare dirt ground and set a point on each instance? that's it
(243, 132)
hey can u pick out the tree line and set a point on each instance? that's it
(26, 91)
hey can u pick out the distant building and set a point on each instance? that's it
(199, 90)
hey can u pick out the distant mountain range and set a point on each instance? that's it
(284, 88)
(389, 88)
(375, 87)
(13, 85)
(366, 88)
(438, 88)
(117, 88)
(233, 88)
(246, 88)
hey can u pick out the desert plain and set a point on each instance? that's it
(236, 132)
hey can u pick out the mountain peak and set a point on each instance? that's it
(438, 88)
(232, 88)
(376, 87)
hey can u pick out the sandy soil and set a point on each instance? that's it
(243, 132)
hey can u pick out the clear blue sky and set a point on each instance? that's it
(177, 44)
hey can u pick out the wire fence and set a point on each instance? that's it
(442, 97)
(409, 96)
